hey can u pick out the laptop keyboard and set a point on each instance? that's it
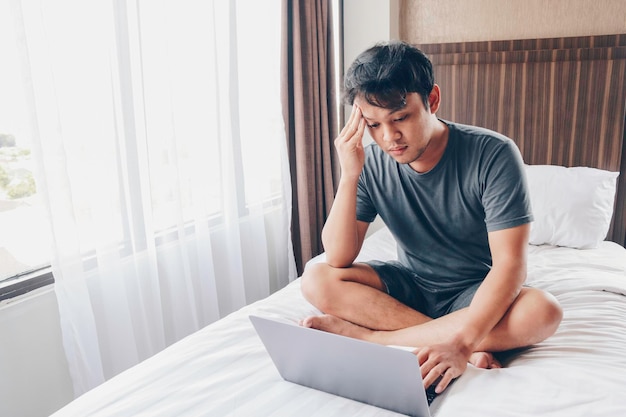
(430, 393)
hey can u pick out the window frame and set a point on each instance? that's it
(25, 282)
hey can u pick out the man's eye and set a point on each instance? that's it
(373, 125)
(399, 119)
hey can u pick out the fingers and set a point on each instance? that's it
(440, 367)
(446, 378)
(437, 375)
(440, 376)
(360, 130)
(355, 117)
(349, 145)
(354, 128)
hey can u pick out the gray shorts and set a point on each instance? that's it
(408, 287)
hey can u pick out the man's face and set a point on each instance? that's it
(403, 133)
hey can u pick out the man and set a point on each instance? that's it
(455, 199)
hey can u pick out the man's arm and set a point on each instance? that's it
(343, 235)
(493, 298)
(501, 285)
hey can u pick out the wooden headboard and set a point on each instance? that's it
(562, 100)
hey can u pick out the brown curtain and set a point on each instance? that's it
(309, 111)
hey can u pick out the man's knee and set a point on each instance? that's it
(552, 314)
(544, 313)
(316, 284)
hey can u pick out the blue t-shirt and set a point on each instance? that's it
(440, 218)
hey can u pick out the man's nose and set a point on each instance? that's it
(390, 133)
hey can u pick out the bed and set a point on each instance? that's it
(578, 200)
(224, 370)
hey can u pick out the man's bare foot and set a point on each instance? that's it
(333, 324)
(484, 360)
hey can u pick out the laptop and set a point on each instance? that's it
(383, 376)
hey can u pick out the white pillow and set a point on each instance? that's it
(572, 206)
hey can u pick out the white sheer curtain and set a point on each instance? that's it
(160, 145)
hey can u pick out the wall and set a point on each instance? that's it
(433, 21)
(366, 22)
(34, 378)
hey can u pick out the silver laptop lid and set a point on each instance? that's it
(379, 375)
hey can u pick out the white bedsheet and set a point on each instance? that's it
(223, 369)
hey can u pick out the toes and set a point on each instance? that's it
(308, 322)
(495, 364)
(484, 360)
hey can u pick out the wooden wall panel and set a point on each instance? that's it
(563, 100)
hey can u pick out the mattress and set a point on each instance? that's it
(224, 370)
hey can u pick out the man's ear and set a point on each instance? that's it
(434, 99)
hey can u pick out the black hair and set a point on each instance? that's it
(385, 73)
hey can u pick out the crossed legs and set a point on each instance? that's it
(356, 305)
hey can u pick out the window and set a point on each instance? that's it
(24, 230)
(192, 97)
(95, 89)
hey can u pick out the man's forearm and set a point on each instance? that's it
(500, 287)
(491, 302)
(340, 235)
